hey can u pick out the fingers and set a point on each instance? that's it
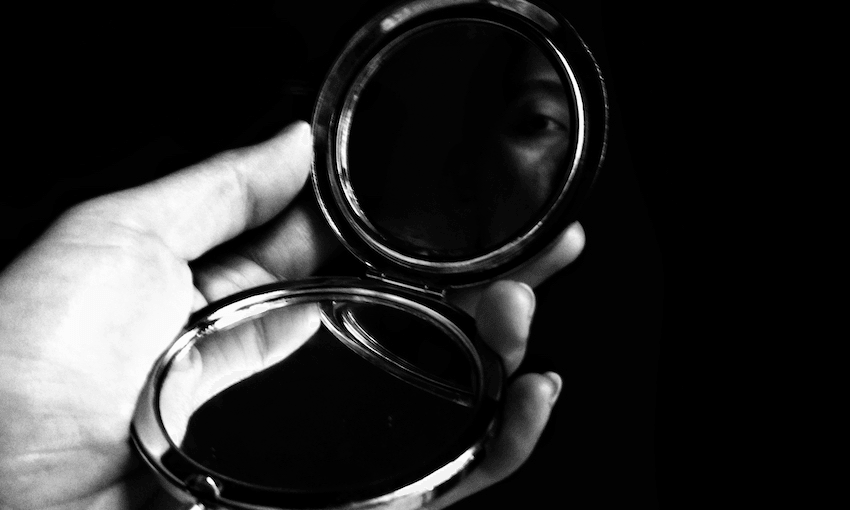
(528, 404)
(204, 205)
(566, 248)
(292, 246)
(503, 319)
(221, 359)
(504, 312)
(557, 256)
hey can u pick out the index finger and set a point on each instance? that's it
(200, 207)
(562, 252)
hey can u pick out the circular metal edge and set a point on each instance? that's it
(150, 438)
(583, 74)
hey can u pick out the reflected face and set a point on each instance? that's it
(459, 140)
(536, 131)
(520, 164)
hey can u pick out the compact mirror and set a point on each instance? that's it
(453, 140)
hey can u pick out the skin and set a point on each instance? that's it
(520, 161)
(86, 310)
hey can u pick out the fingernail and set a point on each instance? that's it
(557, 384)
(532, 300)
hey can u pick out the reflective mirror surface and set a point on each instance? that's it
(299, 398)
(460, 139)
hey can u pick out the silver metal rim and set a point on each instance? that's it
(334, 111)
(158, 450)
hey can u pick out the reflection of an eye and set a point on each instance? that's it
(535, 123)
(537, 114)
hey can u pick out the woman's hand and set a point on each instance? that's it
(87, 309)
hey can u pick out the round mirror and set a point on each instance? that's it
(459, 138)
(322, 398)
(453, 141)
(235, 400)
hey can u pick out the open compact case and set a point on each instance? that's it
(453, 140)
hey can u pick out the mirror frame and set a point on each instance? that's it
(192, 483)
(334, 111)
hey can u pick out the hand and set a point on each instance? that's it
(86, 310)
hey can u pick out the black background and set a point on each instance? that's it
(103, 100)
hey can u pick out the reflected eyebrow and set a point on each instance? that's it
(547, 85)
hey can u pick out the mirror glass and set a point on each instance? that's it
(460, 139)
(298, 398)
